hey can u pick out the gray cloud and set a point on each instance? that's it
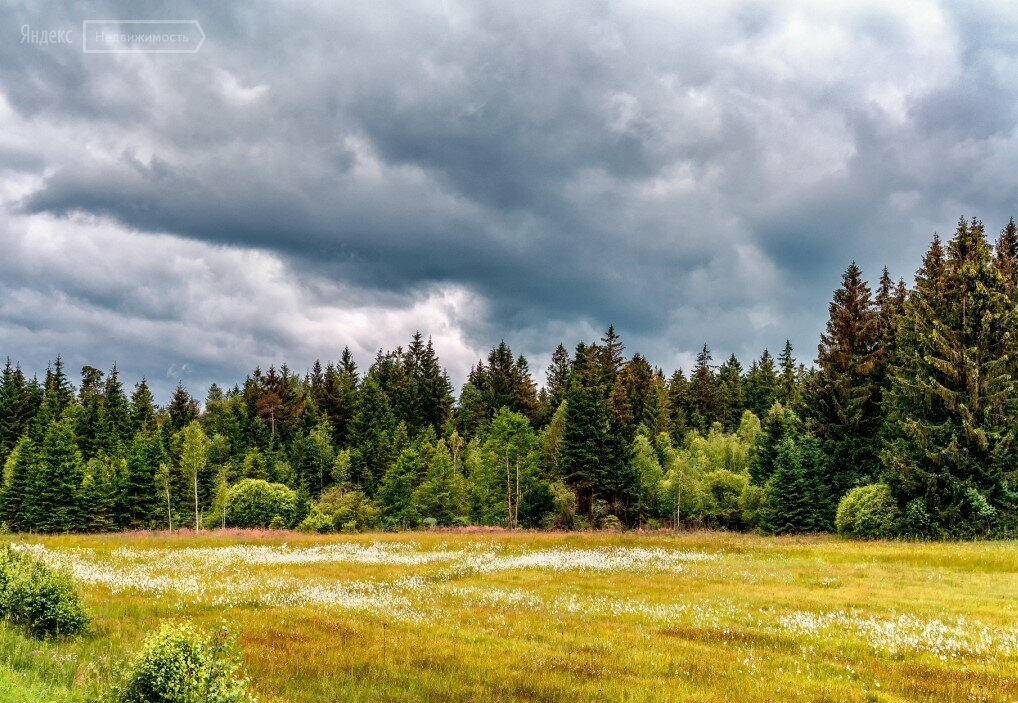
(690, 174)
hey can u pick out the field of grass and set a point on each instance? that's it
(548, 617)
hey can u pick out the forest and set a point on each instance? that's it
(903, 425)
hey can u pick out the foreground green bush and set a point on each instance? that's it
(867, 511)
(179, 664)
(254, 503)
(39, 598)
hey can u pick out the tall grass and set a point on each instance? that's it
(551, 617)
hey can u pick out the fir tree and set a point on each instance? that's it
(702, 394)
(951, 454)
(796, 496)
(141, 496)
(397, 486)
(183, 409)
(730, 396)
(557, 378)
(18, 483)
(442, 496)
(778, 424)
(17, 408)
(504, 382)
(98, 496)
(54, 502)
(678, 405)
(371, 435)
(761, 387)
(58, 395)
(844, 396)
(1006, 256)
(142, 409)
(788, 392)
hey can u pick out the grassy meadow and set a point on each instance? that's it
(493, 616)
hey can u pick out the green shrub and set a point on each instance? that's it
(277, 523)
(867, 511)
(316, 522)
(39, 598)
(722, 498)
(179, 664)
(253, 502)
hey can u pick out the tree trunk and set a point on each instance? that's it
(196, 513)
(508, 492)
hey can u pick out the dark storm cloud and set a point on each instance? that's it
(690, 174)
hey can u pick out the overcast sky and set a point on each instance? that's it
(329, 174)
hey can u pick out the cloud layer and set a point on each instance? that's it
(322, 174)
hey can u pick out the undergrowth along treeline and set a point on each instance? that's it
(906, 420)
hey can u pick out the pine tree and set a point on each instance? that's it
(844, 394)
(557, 378)
(98, 497)
(594, 459)
(141, 503)
(788, 382)
(442, 496)
(730, 396)
(504, 382)
(90, 428)
(183, 409)
(397, 486)
(58, 395)
(951, 458)
(142, 409)
(797, 499)
(636, 398)
(1006, 256)
(116, 415)
(761, 387)
(55, 499)
(704, 408)
(678, 405)
(18, 483)
(778, 424)
(371, 435)
(17, 408)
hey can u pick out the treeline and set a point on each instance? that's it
(907, 420)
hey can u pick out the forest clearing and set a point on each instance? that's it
(500, 616)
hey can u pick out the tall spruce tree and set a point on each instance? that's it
(951, 459)
(54, 502)
(557, 378)
(141, 504)
(183, 409)
(730, 393)
(702, 394)
(761, 387)
(18, 484)
(844, 395)
(788, 380)
(17, 408)
(142, 408)
(797, 497)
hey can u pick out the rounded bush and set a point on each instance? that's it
(867, 511)
(253, 502)
(179, 664)
(41, 599)
(316, 522)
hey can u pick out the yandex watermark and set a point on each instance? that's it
(141, 36)
(123, 36)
